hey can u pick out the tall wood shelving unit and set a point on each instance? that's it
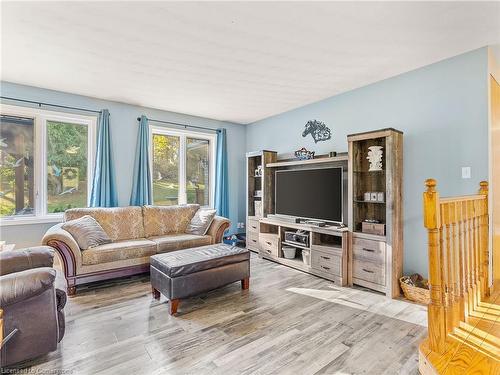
(255, 183)
(376, 261)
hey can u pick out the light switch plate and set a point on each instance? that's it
(466, 172)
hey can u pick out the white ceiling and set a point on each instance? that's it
(239, 62)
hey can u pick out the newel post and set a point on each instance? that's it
(435, 310)
(484, 240)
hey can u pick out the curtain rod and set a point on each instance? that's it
(49, 104)
(178, 124)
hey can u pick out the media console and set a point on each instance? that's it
(369, 252)
(326, 248)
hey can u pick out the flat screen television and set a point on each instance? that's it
(310, 193)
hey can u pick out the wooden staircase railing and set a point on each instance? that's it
(458, 267)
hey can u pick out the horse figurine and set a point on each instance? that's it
(318, 130)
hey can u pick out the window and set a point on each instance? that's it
(183, 167)
(166, 162)
(17, 149)
(67, 164)
(197, 171)
(46, 160)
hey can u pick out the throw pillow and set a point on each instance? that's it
(87, 232)
(201, 222)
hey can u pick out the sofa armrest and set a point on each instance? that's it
(25, 259)
(20, 286)
(64, 243)
(217, 228)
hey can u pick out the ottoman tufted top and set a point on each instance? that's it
(184, 262)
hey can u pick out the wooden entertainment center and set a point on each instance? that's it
(327, 248)
(368, 249)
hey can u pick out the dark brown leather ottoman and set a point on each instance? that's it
(185, 273)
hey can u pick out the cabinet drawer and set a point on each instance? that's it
(369, 250)
(368, 271)
(326, 262)
(269, 243)
(253, 240)
(253, 226)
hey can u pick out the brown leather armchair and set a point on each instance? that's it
(33, 316)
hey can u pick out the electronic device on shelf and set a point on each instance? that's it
(316, 223)
(337, 225)
(312, 194)
(299, 237)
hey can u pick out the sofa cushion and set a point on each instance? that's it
(201, 222)
(120, 250)
(179, 241)
(162, 220)
(87, 232)
(185, 262)
(120, 223)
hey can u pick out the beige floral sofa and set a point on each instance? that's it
(136, 232)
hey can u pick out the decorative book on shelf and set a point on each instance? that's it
(375, 209)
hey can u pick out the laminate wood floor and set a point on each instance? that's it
(288, 322)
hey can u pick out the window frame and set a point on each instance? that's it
(183, 135)
(41, 117)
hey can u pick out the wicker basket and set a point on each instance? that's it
(413, 292)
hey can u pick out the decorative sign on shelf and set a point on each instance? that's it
(375, 158)
(258, 171)
(304, 154)
(318, 130)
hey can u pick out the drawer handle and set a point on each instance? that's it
(370, 250)
(268, 251)
(254, 241)
(325, 268)
(269, 243)
(254, 227)
(369, 271)
(327, 258)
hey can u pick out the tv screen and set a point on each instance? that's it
(310, 193)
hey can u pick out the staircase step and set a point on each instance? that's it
(489, 308)
(472, 348)
(458, 358)
(492, 328)
(492, 299)
(485, 314)
(481, 333)
(477, 343)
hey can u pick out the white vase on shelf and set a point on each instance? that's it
(375, 158)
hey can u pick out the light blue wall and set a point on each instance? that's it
(442, 110)
(124, 133)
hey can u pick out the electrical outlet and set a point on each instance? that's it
(466, 172)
